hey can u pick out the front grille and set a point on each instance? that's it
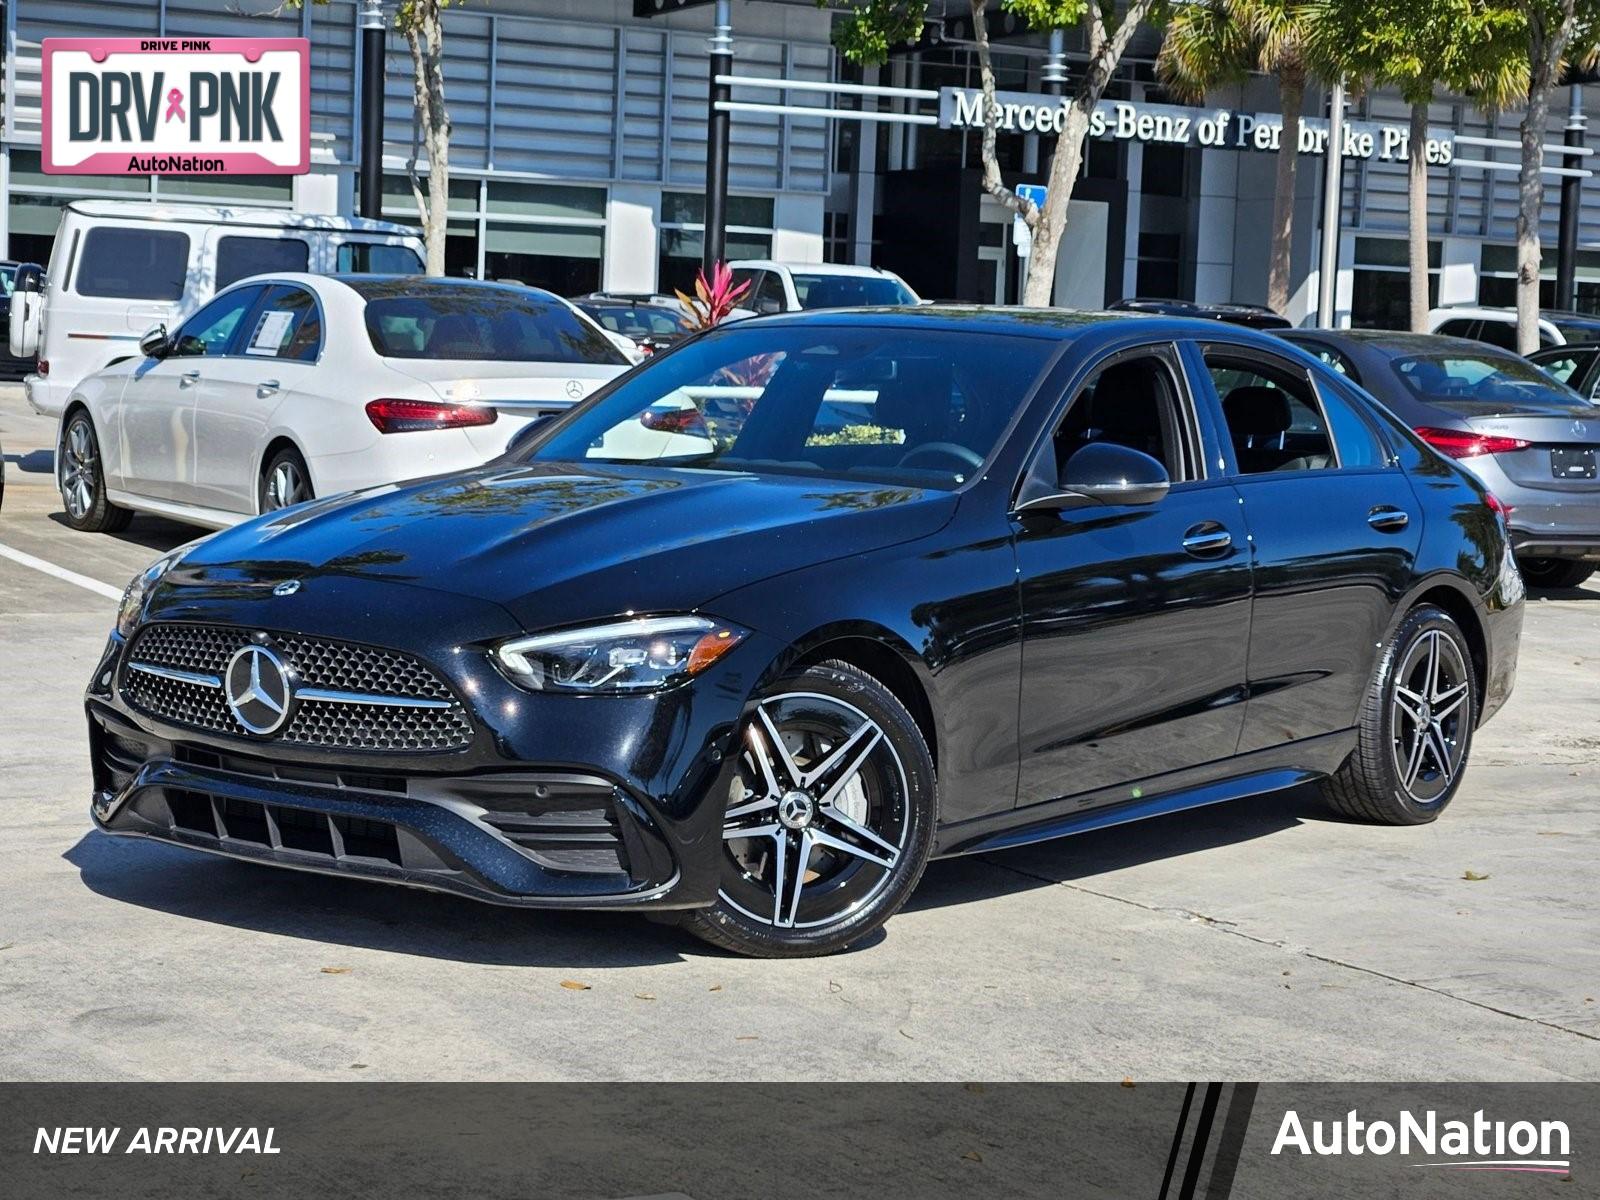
(182, 683)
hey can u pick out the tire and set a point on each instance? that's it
(854, 770)
(284, 481)
(81, 479)
(1415, 735)
(1554, 572)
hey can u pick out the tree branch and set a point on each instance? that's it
(992, 182)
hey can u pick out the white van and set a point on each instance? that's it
(121, 267)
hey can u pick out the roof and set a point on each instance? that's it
(809, 268)
(213, 214)
(1393, 339)
(1053, 323)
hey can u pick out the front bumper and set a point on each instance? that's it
(558, 802)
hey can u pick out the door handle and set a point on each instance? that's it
(188, 378)
(1206, 539)
(1388, 519)
(267, 386)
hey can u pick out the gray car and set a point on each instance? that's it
(1531, 439)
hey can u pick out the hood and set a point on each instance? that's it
(556, 543)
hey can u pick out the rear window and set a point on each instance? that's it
(134, 264)
(408, 320)
(850, 291)
(639, 320)
(377, 258)
(1578, 333)
(1479, 378)
(240, 257)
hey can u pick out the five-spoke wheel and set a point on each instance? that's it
(829, 817)
(1416, 726)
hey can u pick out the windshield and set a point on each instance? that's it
(1481, 378)
(881, 405)
(411, 318)
(850, 291)
(8, 278)
(1577, 333)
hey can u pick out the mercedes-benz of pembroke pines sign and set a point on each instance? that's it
(176, 106)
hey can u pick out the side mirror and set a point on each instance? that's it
(523, 438)
(155, 343)
(766, 306)
(1104, 473)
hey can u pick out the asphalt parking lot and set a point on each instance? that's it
(1264, 940)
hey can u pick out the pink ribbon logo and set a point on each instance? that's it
(175, 105)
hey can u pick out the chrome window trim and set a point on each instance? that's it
(196, 678)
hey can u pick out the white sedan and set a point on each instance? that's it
(286, 387)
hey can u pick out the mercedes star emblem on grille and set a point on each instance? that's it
(257, 688)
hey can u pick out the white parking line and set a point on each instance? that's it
(49, 568)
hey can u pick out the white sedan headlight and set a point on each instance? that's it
(640, 655)
(131, 606)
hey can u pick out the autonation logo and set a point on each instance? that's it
(1478, 1144)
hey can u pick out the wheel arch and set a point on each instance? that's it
(1456, 598)
(878, 652)
(281, 441)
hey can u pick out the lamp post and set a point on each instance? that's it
(1332, 207)
(1571, 199)
(721, 47)
(372, 68)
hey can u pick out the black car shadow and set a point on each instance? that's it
(356, 913)
(1577, 593)
(34, 462)
(1087, 855)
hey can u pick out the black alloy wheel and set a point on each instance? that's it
(829, 819)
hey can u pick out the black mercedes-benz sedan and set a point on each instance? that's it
(756, 631)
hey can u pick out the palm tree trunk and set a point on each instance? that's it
(1417, 215)
(1291, 97)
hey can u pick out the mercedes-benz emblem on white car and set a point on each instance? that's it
(257, 688)
(287, 588)
(574, 389)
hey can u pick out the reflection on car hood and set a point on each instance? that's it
(557, 542)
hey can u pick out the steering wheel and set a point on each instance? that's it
(968, 457)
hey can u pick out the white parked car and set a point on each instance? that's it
(286, 387)
(1498, 326)
(119, 267)
(789, 287)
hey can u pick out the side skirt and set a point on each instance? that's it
(1251, 774)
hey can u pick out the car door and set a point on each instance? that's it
(1135, 618)
(278, 345)
(157, 411)
(1334, 528)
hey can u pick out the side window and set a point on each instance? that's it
(1500, 333)
(1456, 327)
(134, 264)
(1331, 358)
(287, 326)
(1566, 368)
(377, 258)
(1353, 436)
(769, 295)
(1272, 415)
(240, 257)
(1133, 402)
(210, 331)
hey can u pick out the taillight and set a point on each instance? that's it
(1462, 443)
(675, 420)
(44, 367)
(1498, 506)
(410, 416)
(646, 349)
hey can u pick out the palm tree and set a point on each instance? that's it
(1212, 43)
(1474, 47)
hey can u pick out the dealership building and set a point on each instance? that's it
(579, 147)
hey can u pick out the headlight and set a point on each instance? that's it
(131, 605)
(628, 656)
